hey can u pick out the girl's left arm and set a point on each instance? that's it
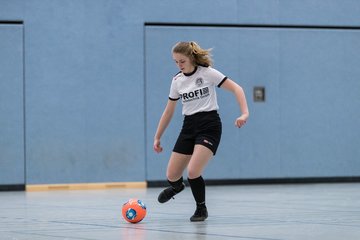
(238, 91)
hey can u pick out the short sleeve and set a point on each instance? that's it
(216, 76)
(174, 93)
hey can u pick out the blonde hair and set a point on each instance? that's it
(199, 56)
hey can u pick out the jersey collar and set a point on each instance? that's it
(189, 74)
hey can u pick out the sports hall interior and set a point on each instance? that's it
(83, 84)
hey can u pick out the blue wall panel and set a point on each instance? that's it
(12, 163)
(308, 75)
(85, 100)
(319, 102)
(85, 87)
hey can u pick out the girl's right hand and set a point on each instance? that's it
(157, 147)
(240, 121)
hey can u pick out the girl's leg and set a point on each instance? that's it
(175, 169)
(176, 166)
(198, 162)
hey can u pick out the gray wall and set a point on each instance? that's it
(95, 80)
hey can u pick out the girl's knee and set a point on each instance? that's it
(173, 175)
(193, 173)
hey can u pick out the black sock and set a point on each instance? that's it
(198, 190)
(177, 185)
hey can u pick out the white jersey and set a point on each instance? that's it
(197, 89)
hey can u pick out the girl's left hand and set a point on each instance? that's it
(240, 121)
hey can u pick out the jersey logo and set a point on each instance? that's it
(199, 81)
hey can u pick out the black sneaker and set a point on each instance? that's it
(169, 193)
(200, 214)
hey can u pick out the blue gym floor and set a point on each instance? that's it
(256, 212)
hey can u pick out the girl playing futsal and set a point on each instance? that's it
(201, 131)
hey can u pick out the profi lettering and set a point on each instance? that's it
(195, 94)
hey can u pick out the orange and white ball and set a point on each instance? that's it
(134, 210)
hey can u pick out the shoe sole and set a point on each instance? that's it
(198, 220)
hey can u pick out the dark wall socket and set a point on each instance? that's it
(259, 94)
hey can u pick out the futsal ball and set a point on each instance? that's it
(134, 210)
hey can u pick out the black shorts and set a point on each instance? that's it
(202, 128)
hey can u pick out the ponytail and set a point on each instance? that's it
(199, 56)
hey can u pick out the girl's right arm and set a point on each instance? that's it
(163, 123)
